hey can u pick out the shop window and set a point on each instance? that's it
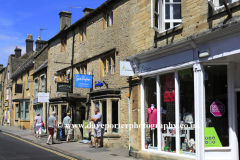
(167, 109)
(63, 44)
(216, 97)
(104, 115)
(186, 109)
(82, 34)
(17, 112)
(108, 19)
(115, 115)
(150, 104)
(108, 65)
(166, 14)
(25, 110)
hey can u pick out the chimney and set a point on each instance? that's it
(40, 44)
(87, 11)
(17, 52)
(65, 19)
(1, 67)
(29, 43)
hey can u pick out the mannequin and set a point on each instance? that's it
(152, 119)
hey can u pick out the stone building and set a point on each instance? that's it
(95, 45)
(192, 70)
(1, 95)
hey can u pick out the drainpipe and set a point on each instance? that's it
(129, 122)
(10, 107)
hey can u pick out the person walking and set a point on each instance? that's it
(51, 125)
(67, 125)
(38, 125)
(97, 127)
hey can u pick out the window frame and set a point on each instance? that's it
(112, 115)
(108, 19)
(36, 88)
(63, 43)
(43, 83)
(17, 112)
(82, 69)
(105, 65)
(82, 33)
(161, 15)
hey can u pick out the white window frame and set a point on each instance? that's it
(17, 111)
(177, 107)
(216, 5)
(161, 15)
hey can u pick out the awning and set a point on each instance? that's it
(105, 93)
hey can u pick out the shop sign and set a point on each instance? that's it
(126, 68)
(211, 138)
(217, 108)
(43, 97)
(83, 81)
(85, 129)
(171, 60)
(98, 84)
(6, 104)
(64, 87)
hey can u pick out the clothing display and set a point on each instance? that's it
(152, 117)
(169, 88)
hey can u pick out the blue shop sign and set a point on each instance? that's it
(83, 81)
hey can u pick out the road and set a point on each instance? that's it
(14, 148)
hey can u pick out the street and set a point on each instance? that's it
(12, 147)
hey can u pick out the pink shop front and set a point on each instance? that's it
(190, 103)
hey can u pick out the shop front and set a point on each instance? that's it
(190, 99)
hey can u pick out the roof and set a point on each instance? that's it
(43, 48)
(25, 65)
(44, 65)
(87, 17)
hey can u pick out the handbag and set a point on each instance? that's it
(42, 123)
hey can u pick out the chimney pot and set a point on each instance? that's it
(87, 11)
(65, 19)
(27, 36)
(29, 44)
(39, 38)
(17, 52)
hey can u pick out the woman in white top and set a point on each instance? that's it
(38, 125)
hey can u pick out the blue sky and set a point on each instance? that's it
(19, 18)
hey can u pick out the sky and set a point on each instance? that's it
(19, 18)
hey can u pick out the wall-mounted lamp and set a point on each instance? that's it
(204, 53)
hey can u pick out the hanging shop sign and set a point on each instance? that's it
(169, 88)
(98, 84)
(83, 81)
(43, 97)
(126, 68)
(211, 138)
(217, 108)
(64, 87)
(6, 104)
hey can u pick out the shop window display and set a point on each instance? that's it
(151, 113)
(216, 97)
(168, 138)
(186, 115)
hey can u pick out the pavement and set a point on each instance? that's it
(74, 149)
